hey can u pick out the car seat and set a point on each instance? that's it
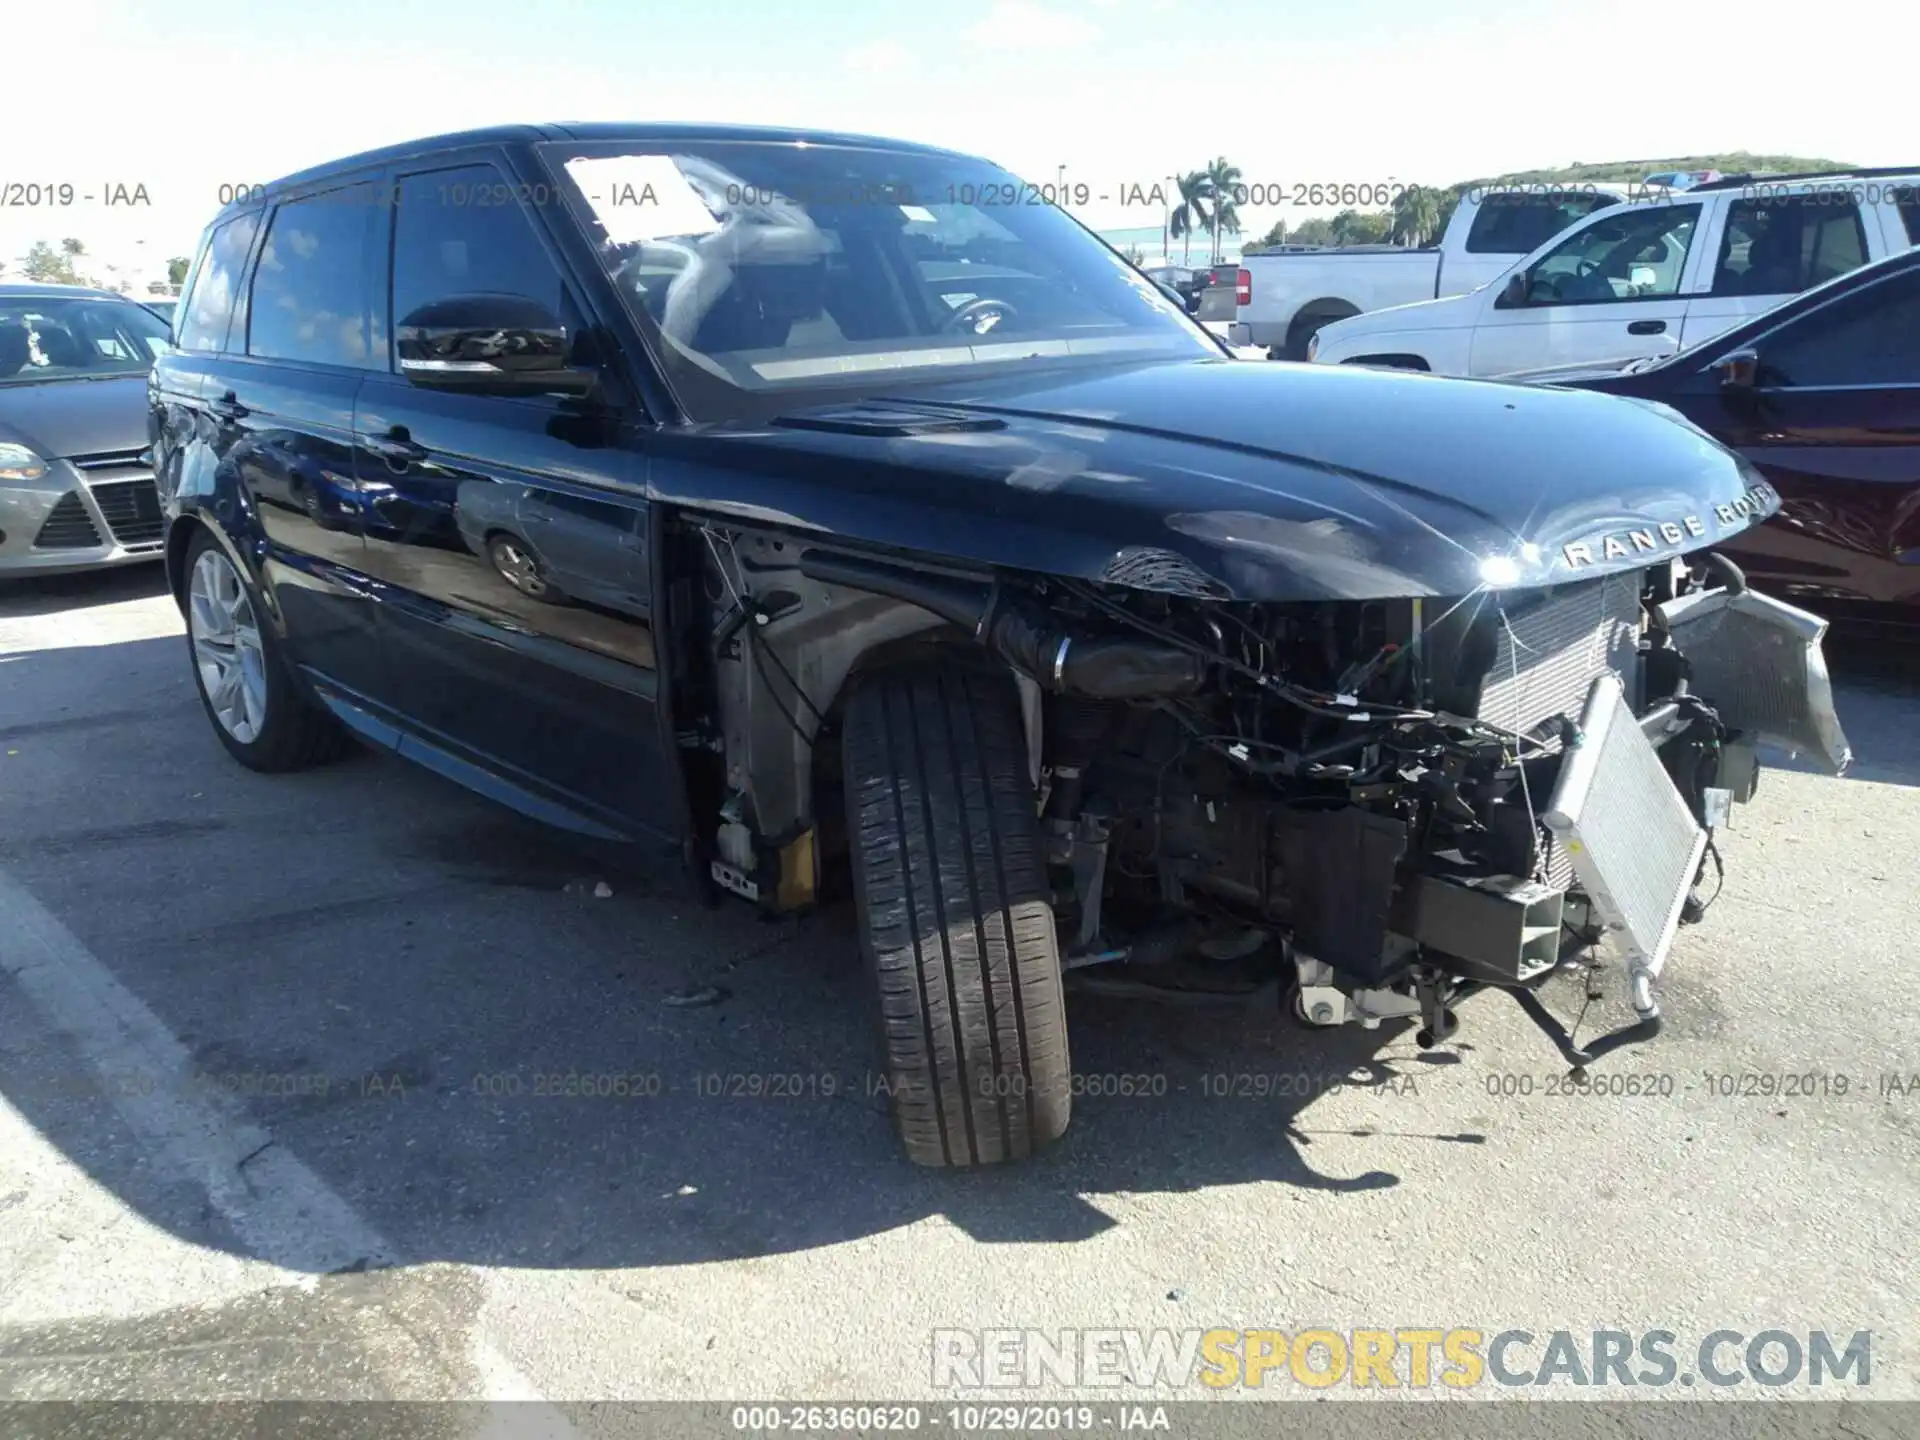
(60, 348)
(1773, 260)
(15, 347)
(760, 307)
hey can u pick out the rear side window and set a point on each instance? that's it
(1519, 224)
(207, 309)
(1871, 337)
(1783, 244)
(309, 300)
(1907, 197)
(462, 232)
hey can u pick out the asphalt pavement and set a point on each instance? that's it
(348, 1084)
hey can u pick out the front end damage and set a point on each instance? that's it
(1403, 800)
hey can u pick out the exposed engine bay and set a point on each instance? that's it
(1396, 802)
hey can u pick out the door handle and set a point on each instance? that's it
(228, 407)
(396, 447)
(1647, 327)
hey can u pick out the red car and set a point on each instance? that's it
(1823, 395)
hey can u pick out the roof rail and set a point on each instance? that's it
(1727, 182)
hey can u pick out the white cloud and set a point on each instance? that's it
(880, 57)
(1019, 25)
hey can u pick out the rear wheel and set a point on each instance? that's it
(955, 915)
(515, 562)
(256, 709)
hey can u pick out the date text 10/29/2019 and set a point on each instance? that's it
(1066, 194)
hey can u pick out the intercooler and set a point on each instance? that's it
(1632, 839)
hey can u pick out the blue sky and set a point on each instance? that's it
(186, 97)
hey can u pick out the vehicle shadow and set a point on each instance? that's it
(1877, 692)
(432, 1005)
(424, 999)
(25, 596)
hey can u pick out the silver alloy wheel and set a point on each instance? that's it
(226, 647)
(518, 567)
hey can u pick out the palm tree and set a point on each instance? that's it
(1416, 215)
(1190, 212)
(1223, 184)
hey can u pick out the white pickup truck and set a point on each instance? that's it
(1285, 296)
(1646, 278)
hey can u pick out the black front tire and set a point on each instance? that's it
(955, 915)
(297, 734)
(1300, 334)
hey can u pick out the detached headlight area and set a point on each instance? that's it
(17, 462)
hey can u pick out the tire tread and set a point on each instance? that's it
(956, 919)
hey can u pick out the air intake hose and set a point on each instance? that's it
(1021, 633)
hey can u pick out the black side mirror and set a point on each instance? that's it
(1737, 369)
(489, 345)
(1172, 293)
(1514, 292)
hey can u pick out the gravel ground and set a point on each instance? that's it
(272, 1055)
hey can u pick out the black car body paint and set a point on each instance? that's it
(906, 532)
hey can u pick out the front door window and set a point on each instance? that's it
(1634, 253)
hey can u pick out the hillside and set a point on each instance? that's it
(1732, 163)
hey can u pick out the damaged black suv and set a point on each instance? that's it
(823, 509)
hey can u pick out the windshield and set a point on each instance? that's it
(86, 337)
(762, 272)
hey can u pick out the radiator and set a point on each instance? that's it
(1547, 654)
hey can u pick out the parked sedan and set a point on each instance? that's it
(1823, 395)
(75, 492)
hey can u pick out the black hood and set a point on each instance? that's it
(1246, 479)
(58, 418)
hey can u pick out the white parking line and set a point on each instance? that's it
(283, 1212)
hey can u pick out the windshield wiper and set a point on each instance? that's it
(885, 417)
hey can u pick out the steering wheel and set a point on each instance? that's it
(969, 315)
(1565, 284)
